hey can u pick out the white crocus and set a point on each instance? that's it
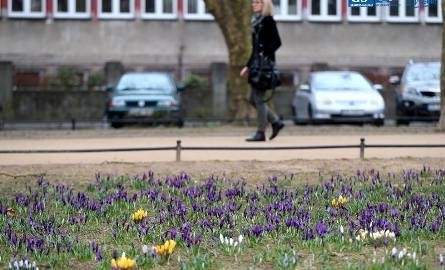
(342, 230)
(401, 254)
(221, 238)
(231, 241)
(144, 249)
(226, 241)
(240, 238)
(393, 251)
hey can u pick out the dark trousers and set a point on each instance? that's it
(264, 114)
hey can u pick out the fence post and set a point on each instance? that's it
(362, 148)
(178, 150)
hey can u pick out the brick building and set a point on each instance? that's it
(40, 36)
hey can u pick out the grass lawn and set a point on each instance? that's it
(364, 219)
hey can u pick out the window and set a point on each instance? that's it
(72, 8)
(433, 12)
(287, 10)
(403, 11)
(364, 14)
(159, 9)
(324, 10)
(116, 9)
(27, 8)
(196, 9)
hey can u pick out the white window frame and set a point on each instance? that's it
(158, 14)
(201, 15)
(324, 17)
(364, 17)
(437, 19)
(27, 13)
(71, 13)
(115, 13)
(284, 11)
(402, 15)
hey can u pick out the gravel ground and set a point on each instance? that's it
(215, 130)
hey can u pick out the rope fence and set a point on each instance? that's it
(179, 148)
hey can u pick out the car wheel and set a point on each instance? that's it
(310, 114)
(115, 121)
(295, 117)
(180, 123)
(379, 122)
(116, 125)
(401, 119)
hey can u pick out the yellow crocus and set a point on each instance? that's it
(167, 248)
(123, 263)
(139, 215)
(339, 202)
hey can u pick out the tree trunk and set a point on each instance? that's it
(441, 123)
(233, 18)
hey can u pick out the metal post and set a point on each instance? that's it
(362, 148)
(178, 150)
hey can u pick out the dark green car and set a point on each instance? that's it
(146, 97)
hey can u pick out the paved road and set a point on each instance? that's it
(202, 140)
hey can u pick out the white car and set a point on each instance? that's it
(338, 96)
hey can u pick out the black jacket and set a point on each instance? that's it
(268, 39)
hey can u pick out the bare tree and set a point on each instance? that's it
(441, 123)
(233, 18)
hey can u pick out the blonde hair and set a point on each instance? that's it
(268, 9)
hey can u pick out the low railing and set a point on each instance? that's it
(179, 148)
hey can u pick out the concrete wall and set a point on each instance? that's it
(157, 43)
(58, 105)
(83, 105)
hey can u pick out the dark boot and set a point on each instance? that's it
(257, 137)
(276, 127)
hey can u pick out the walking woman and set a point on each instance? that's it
(265, 40)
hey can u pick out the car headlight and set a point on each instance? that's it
(411, 91)
(326, 102)
(117, 102)
(375, 102)
(167, 103)
(323, 101)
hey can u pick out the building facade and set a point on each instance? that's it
(39, 36)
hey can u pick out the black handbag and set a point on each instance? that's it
(263, 74)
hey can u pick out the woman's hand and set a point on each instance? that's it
(244, 72)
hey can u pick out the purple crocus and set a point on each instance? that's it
(309, 234)
(321, 229)
(257, 230)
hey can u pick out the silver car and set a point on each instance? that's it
(418, 92)
(338, 96)
(145, 97)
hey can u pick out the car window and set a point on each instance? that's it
(340, 81)
(145, 81)
(418, 73)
